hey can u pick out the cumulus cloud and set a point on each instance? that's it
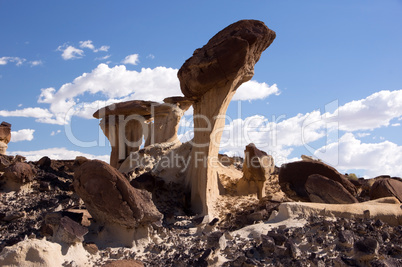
(88, 44)
(42, 115)
(57, 153)
(374, 111)
(70, 52)
(254, 90)
(17, 60)
(22, 135)
(372, 158)
(131, 59)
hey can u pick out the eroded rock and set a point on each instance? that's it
(257, 169)
(110, 198)
(17, 175)
(295, 175)
(387, 187)
(320, 189)
(210, 78)
(5, 136)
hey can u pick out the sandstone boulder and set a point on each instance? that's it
(387, 187)
(295, 175)
(110, 198)
(257, 169)
(210, 78)
(320, 189)
(17, 174)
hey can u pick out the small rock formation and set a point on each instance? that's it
(295, 175)
(17, 175)
(125, 124)
(5, 136)
(387, 187)
(210, 78)
(257, 168)
(320, 189)
(110, 198)
(64, 229)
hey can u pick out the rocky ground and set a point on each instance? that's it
(187, 240)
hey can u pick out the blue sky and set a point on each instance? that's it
(329, 86)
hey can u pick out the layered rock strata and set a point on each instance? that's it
(210, 78)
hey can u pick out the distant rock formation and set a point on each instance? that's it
(5, 136)
(257, 168)
(110, 198)
(210, 77)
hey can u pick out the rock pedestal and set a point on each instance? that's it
(5, 136)
(257, 169)
(125, 125)
(210, 78)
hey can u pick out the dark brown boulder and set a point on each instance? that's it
(110, 198)
(295, 175)
(323, 190)
(387, 187)
(18, 174)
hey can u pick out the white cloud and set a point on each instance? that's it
(252, 90)
(17, 60)
(103, 58)
(57, 153)
(131, 59)
(374, 158)
(42, 115)
(53, 133)
(36, 63)
(395, 124)
(70, 52)
(374, 111)
(362, 134)
(22, 135)
(151, 56)
(88, 44)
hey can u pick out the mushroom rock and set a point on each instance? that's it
(167, 118)
(257, 169)
(5, 136)
(295, 175)
(210, 78)
(125, 124)
(110, 199)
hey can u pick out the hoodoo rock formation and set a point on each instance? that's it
(210, 77)
(5, 137)
(257, 169)
(125, 124)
